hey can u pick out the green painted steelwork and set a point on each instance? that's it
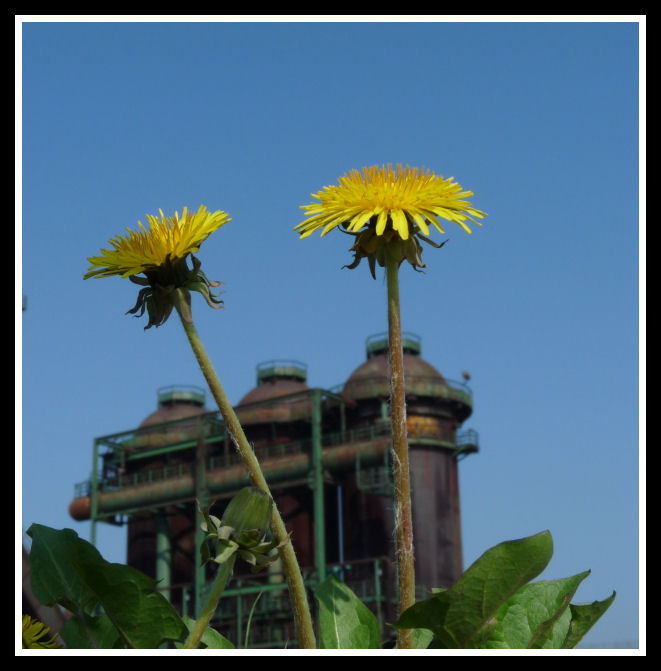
(375, 478)
(318, 489)
(378, 386)
(365, 577)
(281, 462)
(202, 496)
(163, 554)
(94, 493)
(378, 344)
(222, 480)
(281, 368)
(179, 393)
(115, 494)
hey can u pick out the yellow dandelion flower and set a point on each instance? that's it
(161, 253)
(33, 633)
(390, 205)
(168, 240)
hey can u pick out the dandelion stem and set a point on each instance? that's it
(402, 493)
(297, 593)
(211, 604)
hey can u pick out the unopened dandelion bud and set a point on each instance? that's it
(242, 530)
(249, 515)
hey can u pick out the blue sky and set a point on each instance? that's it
(539, 119)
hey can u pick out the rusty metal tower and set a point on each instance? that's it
(326, 456)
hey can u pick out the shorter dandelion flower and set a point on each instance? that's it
(160, 253)
(34, 632)
(389, 210)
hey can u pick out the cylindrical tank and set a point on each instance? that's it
(178, 522)
(275, 413)
(266, 421)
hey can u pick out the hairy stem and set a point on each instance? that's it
(211, 604)
(297, 593)
(402, 494)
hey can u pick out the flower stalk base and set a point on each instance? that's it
(298, 596)
(402, 493)
(211, 604)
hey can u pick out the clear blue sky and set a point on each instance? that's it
(540, 120)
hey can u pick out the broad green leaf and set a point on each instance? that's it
(463, 616)
(143, 617)
(210, 638)
(344, 620)
(422, 638)
(70, 571)
(54, 579)
(86, 631)
(429, 614)
(536, 616)
(583, 617)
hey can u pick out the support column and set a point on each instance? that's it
(318, 489)
(94, 493)
(163, 554)
(202, 495)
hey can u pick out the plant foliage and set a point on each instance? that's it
(493, 605)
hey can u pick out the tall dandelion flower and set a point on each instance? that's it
(389, 207)
(157, 259)
(389, 211)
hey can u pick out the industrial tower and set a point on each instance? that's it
(326, 456)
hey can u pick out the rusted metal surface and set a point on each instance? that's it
(436, 522)
(222, 480)
(151, 468)
(80, 508)
(142, 546)
(283, 380)
(293, 402)
(167, 430)
(371, 380)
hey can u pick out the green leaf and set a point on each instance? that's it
(463, 616)
(70, 571)
(583, 617)
(536, 616)
(54, 579)
(344, 621)
(210, 638)
(86, 631)
(422, 638)
(225, 550)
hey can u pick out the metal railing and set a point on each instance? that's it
(266, 594)
(304, 446)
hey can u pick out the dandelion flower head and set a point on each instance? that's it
(403, 200)
(161, 253)
(167, 240)
(389, 210)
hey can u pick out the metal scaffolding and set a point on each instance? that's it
(323, 442)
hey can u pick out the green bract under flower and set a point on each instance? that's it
(157, 260)
(160, 284)
(242, 530)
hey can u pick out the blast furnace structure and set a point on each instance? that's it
(326, 456)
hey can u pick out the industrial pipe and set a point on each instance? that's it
(226, 479)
